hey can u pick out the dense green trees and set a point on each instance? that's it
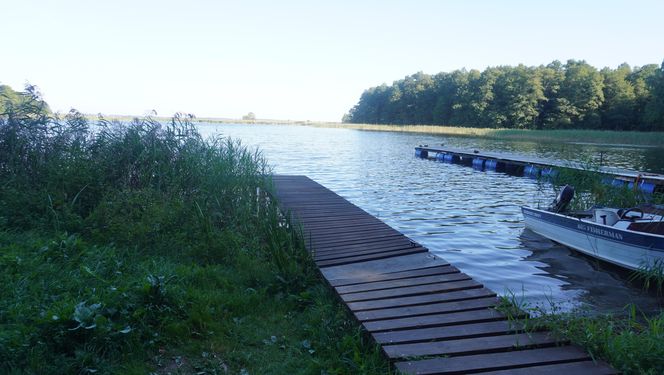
(10, 99)
(553, 96)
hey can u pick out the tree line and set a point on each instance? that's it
(13, 99)
(573, 95)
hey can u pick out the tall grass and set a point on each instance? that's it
(141, 247)
(593, 188)
(630, 342)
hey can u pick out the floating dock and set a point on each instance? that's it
(538, 167)
(427, 315)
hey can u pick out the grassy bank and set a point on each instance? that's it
(630, 342)
(139, 248)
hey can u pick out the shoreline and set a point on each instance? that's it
(608, 138)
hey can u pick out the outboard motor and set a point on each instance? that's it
(562, 200)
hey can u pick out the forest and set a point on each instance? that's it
(574, 95)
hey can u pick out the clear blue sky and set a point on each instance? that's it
(295, 59)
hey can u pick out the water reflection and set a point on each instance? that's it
(470, 218)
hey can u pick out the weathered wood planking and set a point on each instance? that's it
(413, 303)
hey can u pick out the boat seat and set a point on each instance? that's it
(606, 217)
(656, 227)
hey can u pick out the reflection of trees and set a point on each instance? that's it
(652, 160)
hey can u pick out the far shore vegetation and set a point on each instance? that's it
(629, 138)
(556, 96)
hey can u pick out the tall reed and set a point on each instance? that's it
(124, 246)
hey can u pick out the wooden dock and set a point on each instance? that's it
(534, 167)
(428, 317)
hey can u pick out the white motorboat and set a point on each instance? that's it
(632, 238)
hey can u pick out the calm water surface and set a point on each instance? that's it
(470, 218)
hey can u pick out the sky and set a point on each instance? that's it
(295, 60)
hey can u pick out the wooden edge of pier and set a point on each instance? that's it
(427, 315)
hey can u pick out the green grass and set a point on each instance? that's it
(141, 247)
(631, 342)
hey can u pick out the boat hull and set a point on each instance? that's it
(625, 248)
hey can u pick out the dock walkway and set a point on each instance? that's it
(534, 166)
(428, 317)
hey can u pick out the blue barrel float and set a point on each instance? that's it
(616, 182)
(449, 158)
(531, 171)
(491, 165)
(421, 153)
(478, 163)
(645, 187)
(440, 156)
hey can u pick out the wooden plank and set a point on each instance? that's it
(330, 256)
(329, 209)
(310, 203)
(421, 300)
(433, 308)
(326, 232)
(313, 217)
(492, 361)
(436, 320)
(336, 227)
(364, 258)
(339, 225)
(357, 246)
(573, 368)
(380, 246)
(383, 266)
(320, 219)
(448, 332)
(411, 290)
(402, 283)
(322, 202)
(473, 345)
(352, 236)
(382, 237)
(355, 237)
(435, 270)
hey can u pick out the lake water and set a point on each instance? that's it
(470, 218)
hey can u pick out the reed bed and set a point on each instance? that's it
(571, 135)
(143, 248)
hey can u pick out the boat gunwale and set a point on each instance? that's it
(568, 218)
